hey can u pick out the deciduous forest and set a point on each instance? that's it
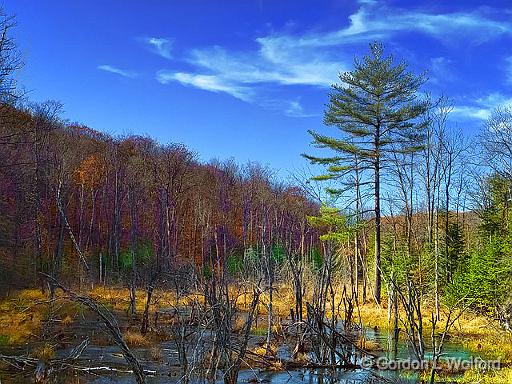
(130, 260)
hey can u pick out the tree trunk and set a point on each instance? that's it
(377, 231)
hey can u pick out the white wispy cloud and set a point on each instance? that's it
(316, 59)
(482, 108)
(206, 82)
(294, 109)
(117, 71)
(270, 64)
(471, 112)
(159, 45)
(377, 21)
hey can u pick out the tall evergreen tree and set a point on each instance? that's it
(377, 109)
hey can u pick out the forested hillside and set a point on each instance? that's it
(81, 204)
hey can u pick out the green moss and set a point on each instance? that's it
(4, 340)
(260, 331)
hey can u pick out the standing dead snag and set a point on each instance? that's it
(413, 324)
(111, 325)
(453, 314)
(231, 374)
(153, 280)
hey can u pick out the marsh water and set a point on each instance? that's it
(167, 368)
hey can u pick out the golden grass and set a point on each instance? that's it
(136, 339)
(368, 344)
(67, 320)
(502, 376)
(31, 295)
(23, 313)
(371, 316)
(118, 299)
(261, 350)
(475, 332)
(239, 323)
(44, 352)
(20, 316)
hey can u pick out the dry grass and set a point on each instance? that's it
(31, 295)
(20, 316)
(261, 350)
(67, 320)
(44, 352)
(372, 316)
(239, 323)
(136, 339)
(118, 299)
(368, 344)
(502, 376)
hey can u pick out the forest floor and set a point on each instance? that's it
(22, 319)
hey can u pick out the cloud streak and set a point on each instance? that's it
(316, 59)
(159, 45)
(482, 108)
(374, 21)
(117, 71)
(205, 82)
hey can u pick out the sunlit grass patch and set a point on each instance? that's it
(31, 295)
(44, 352)
(368, 344)
(20, 317)
(495, 345)
(67, 320)
(371, 316)
(479, 334)
(259, 330)
(262, 350)
(500, 376)
(23, 313)
(136, 339)
(118, 298)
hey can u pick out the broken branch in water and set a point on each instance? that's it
(111, 326)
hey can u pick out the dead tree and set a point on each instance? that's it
(110, 324)
(452, 315)
(153, 279)
(413, 323)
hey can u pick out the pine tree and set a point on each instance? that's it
(377, 109)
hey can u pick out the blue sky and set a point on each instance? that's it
(246, 79)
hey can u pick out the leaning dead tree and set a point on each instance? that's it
(110, 324)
